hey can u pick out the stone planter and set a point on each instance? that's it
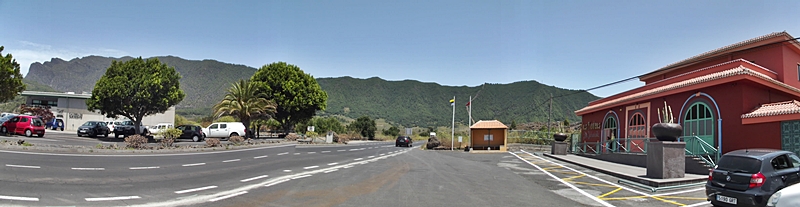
(667, 131)
(559, 137)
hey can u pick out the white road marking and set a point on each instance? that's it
(584, 193)
(259, 157)
(234, 160)
(311, 152)
(227, 196)
(340, 150)
(357, 159)
(195, 189)
(287, 170)
(87, 168)
(276, 182)
(144, 168)
(698, 204)
(23, 166)
(254, 178)
(311, 167)
(195, 164)
(18, 198)
(382, 154)
(302, 176)
(353, 149)
(334, 170)
(679, 192)
(296, 153)
(333, 163)
(283, 153)
(370, 156)
(113, 198)
(325, 151)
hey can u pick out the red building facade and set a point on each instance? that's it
(744, 95)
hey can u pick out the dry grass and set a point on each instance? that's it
(136, 141)
(213, 142)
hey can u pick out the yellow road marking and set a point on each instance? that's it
(667, 201)
(573, 177)
(550, 168)
(683, 197)
(594, 184)
(609, 193)
(623, 198)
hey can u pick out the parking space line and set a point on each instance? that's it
(667, 201)
(584, 193)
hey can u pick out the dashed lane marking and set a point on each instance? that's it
(287, 170)
(88, 168)
(259, 157)
(227, 196)
(194, 164)
(312, 152)
(144, 168)
(283, 153)
(340, 150)
(357, 159)
(334, 163)
(302, 176)
(18, 198)
(23, 166)
(233, 160)
(113, 198)
(325, 151)
(254, 178)
(195, 189)
(311, 167)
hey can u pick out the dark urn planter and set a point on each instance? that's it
(667, 131)
(560, 137)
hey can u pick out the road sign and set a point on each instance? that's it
(310, 128)
(409, 131)
(459, 139)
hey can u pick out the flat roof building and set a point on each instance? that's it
(71, 107)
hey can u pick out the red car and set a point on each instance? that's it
(24, 124)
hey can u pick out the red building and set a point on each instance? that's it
(743, 95)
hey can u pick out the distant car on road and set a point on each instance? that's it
(748, 177)
(55, 124)
(224, 130)
(403, 141)
(93, 128)
(126, 128)
(193, 132)
(24, 124)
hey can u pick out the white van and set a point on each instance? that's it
(224, 130)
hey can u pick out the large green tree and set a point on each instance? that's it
(364, 126)
(135, 89)
(296, 93)
(244, 101)
(10, 77)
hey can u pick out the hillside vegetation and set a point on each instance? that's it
(405, 103)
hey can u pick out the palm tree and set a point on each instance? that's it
(244, 102)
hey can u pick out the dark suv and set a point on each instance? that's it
(193, 132)
(402, 141)
(749, 177)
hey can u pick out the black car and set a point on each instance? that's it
(749, 177)
(193, 132)
(403, 141)
(93, 128)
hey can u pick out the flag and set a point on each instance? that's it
(452, 102)
(469, 103)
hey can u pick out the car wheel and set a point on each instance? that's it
(105, 135)
(28, 133)
(40, 135)
(116, 136)
(3, 130)
(195, 138)
(79, 135)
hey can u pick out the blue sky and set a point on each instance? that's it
(569, 44)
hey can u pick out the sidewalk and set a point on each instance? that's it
(627, 172)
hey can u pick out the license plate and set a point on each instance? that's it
(726, 199)
(83, 131)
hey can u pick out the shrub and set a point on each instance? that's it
(311, 134)
(343, 140)
(166, 142)
(169, 136)
(136, 141)
(213, 142)
(237, 140)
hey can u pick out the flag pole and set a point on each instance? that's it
(453, 125)
(469, 121)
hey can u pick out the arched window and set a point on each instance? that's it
(637, 128)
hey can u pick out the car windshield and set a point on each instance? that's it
(37, 122)
(739, 164)
(89, 123)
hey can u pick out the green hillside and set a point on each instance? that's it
(409, 102)
(414, 103)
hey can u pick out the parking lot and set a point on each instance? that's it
(596, 189)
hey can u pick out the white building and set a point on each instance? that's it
(72, 108)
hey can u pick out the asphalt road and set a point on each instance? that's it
(371, 174)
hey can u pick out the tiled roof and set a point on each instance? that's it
(773, 109)
(491, 124)
(741, 70)
(721, 50)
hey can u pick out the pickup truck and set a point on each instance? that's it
(126, 128)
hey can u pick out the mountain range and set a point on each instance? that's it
(406, 103)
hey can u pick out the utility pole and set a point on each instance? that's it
(549, 113)
(453, 126)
